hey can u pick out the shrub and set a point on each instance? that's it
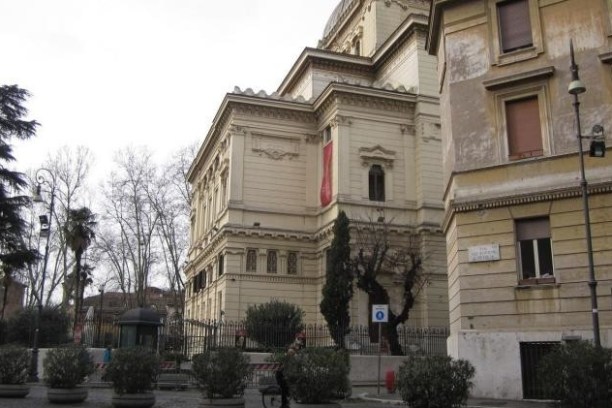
(223, 373)
(67, 367)
(14, 364)
(435, 381)
(578, 375)
(318, 375)
(54, 327)
(274, 324)
(132, 370)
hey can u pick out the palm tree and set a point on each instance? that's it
(79, 232)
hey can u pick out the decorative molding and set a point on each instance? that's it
(274, 113)
(276, 148)
(410, 129)
(271, 278)
(313, 138)
(377, 154)
(340, 120)
(506, 201)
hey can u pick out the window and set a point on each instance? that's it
(514, 25)
(272, 262)
(251, 260)
(523, 127)
(376, 183)
(328, 261)
(327, 135)
(221, 259)
(534, 248)
(292, 265)
(516, 30)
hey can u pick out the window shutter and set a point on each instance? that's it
(523, 126)
(514, 25)
(533, 228)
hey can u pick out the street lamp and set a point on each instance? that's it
(101, 290)
(597, 149)
(43, 176)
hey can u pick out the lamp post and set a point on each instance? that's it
(43, 176)
(597, 149)
(101, 290)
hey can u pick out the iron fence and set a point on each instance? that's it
(192, 337)
(200, 336)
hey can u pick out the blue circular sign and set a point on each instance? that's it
(380, 315)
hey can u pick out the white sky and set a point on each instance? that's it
(111, 73)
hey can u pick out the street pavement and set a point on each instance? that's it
(362, 397)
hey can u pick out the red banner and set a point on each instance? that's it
(326, 183)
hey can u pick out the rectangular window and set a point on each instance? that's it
(251, 260)
(272, 262)
(327, 135)
(524, 129)
(376, 183)
(221, 259)
(292, 263)
(534, 248)
(514, 25)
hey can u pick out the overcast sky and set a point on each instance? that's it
(111, 73)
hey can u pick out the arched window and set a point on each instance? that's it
(292, 263)
(376, 181)
(272, 261)
(251, 260)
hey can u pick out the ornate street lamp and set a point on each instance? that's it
(43, 177)
(597, 149)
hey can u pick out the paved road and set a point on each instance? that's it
(191, 398)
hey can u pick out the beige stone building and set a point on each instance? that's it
(514, 224)
(354, 125)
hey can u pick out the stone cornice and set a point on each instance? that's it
(322, 58)
(519, 199)
(510, 80)
(388, 99)
(393, 45)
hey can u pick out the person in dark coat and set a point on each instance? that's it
(282, 381)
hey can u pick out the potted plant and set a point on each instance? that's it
(222, 375)
(133, 372)
(316, 376)
(65, 369)
(14, 368)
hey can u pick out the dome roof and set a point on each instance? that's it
(335, 17)
(141, 316)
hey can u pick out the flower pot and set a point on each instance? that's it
(14, 390)
(140, 400)
(223, 403)
(67, 395)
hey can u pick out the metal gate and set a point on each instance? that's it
(531, 354)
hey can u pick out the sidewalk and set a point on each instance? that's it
(362, 397)
(371, 394)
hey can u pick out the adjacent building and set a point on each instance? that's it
(353, 126)
(515, 228)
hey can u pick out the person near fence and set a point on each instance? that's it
(108, 353)
(280, 377)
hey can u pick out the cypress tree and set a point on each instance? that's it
(338, 288)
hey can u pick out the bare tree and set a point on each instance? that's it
(131, 221)
(172, 199)
(69, 167)
(380, 265)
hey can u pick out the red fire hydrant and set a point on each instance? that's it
(390, 381)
